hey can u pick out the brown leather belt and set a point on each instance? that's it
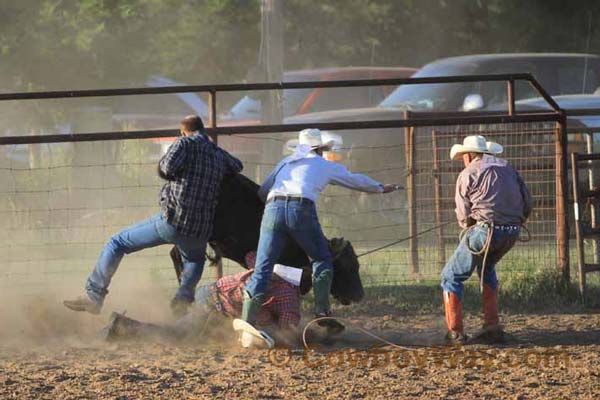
(290, 198)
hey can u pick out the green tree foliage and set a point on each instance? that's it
(414, 32)
(57, 44)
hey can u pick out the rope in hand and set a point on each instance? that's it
(464, 234)
(528, 238)
(486, 246)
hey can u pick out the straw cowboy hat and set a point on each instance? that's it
(313, 138)
(252, 337)
(475, 144)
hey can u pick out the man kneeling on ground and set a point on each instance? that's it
(280, 313)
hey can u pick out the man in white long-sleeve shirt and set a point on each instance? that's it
(291, 191)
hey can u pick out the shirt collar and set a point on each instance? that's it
(200, 135)
(303, 151)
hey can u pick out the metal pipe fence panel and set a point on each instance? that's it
(62, 202)
(63, 196)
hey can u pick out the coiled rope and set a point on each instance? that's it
(486, 246)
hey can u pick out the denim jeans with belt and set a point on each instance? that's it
(294, 219)
(462, 263)
(151, 232)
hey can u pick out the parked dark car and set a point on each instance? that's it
(577, 125)
(382, 151)
(558, 73)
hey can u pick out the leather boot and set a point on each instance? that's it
(490, 307)
(492, 331)
(321, 290)
(83, 303)
(454, 319)
(251, 307)
(121, 327)
(250, 336)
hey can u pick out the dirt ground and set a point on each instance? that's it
(556, 356)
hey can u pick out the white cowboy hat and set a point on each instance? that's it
(313, 138)
(336, 140)
(475, 144)
(252, 337)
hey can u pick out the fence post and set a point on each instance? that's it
(212, 121)
(589, 139)
(562, 227)
(437, 200)
(581, 268)
(409, 139)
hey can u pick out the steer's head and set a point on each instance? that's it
(347, 286)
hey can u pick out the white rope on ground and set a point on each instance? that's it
(349, 323)
(369, 333)
(484, 250)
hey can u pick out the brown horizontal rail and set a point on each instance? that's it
(587, 157)
(576, 112)
(592, 267)
(238, 87)
(583, 130)
(257, 129)
(420, 119)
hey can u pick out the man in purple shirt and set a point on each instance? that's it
(492, 202)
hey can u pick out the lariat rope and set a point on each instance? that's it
(364, 331)
(484, 250)
(405, 239)
(464, 234)
(349, 323)
(486, 246)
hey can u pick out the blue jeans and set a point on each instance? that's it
(196, 320)
(283, 219)
(151, 232)
(462, 263)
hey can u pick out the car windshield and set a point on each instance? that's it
(246, 108)
(249, 107)
(438, 96)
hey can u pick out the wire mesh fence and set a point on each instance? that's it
(585, 189)
(62, 202)
(421, 161)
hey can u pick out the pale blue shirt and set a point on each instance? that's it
(305, 174)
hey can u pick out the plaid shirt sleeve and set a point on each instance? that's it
(234, 165)
(172, 162)
(230, 294)
(285, 303)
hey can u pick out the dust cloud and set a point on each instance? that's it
(37, 317)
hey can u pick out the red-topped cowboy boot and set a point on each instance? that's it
(454, 320)
(492, 330)
(490, 307)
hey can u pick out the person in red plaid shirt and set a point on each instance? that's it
(281, 305)
(280, 311)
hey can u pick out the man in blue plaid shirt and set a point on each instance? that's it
(194, 168)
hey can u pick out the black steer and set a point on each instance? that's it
(236, 232)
